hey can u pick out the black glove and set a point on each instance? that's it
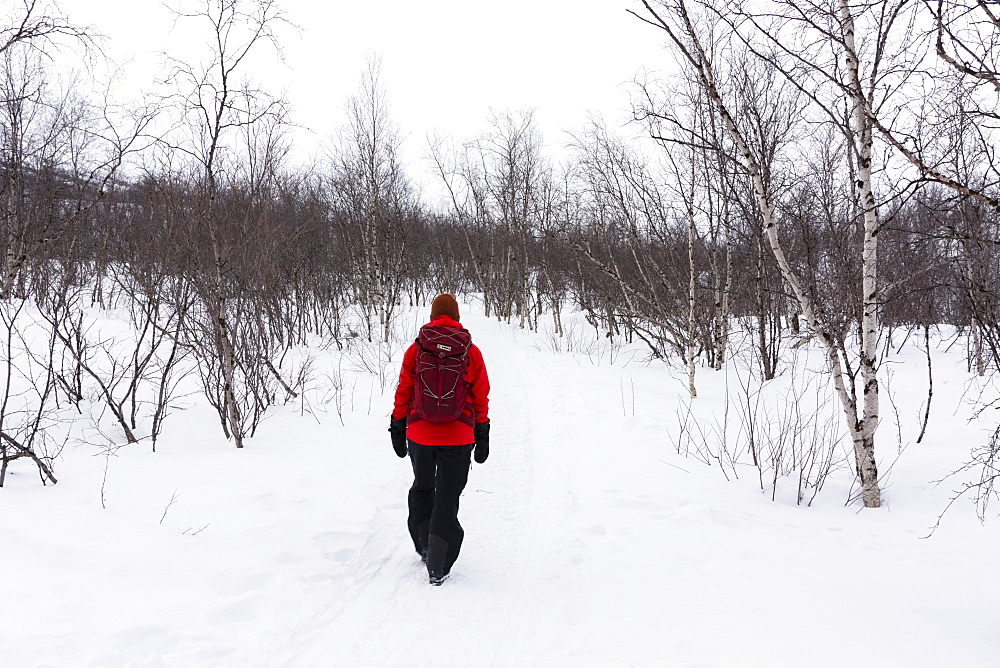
(397, 432)
(482, 434)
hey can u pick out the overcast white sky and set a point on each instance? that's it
(445, 63)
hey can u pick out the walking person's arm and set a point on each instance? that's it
(401, 404)
(479, 395)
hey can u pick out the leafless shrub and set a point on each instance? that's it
(29, 423)
(785, 428)
(340, 389)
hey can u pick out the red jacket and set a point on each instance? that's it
(449, 433)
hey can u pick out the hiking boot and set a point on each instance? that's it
(436, 580)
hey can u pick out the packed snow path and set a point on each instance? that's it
(589, 542)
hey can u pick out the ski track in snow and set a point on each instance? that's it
(539, 446)
(367, 575)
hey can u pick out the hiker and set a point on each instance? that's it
(440, 416)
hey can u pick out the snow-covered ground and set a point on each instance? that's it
(589, 540)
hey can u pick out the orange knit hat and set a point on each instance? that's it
(445, 304)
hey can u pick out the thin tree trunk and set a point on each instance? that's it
(691, 284)
(864, 436)
(975, 336)
(223, 337)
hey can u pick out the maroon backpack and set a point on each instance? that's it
(440, 393)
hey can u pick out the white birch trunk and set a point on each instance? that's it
(975, 337)
(723, 291)
(691, 286)
(863, 432)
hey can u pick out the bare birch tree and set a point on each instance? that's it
(59, 152)
(217, 102)
(372, 199)
(818, 52)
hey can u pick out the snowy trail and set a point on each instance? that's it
(590, 542)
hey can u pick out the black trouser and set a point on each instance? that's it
(440, 473)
